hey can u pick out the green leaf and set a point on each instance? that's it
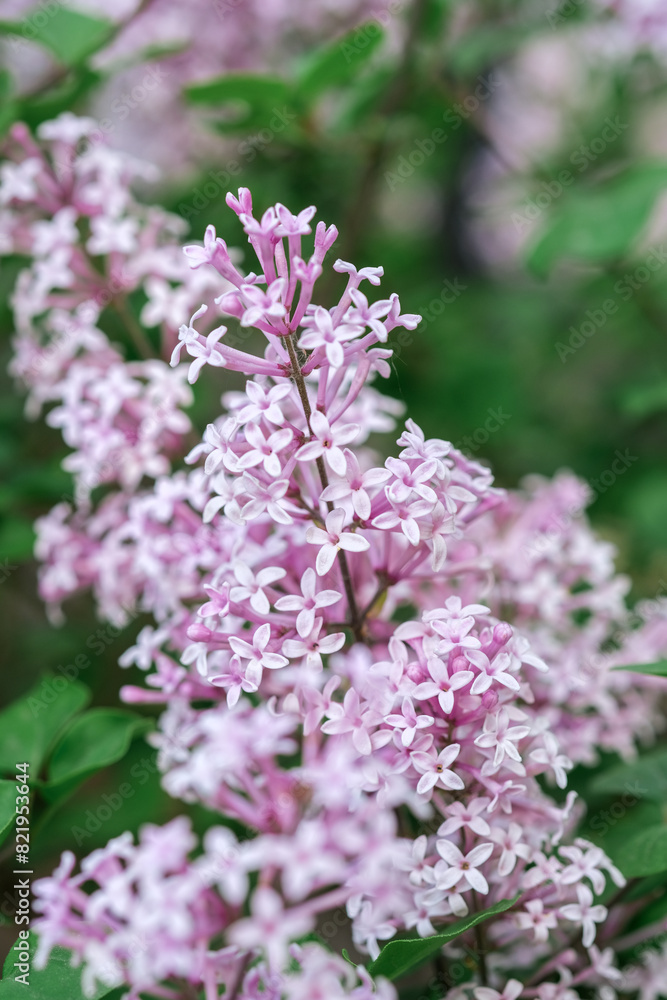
(645, 778)
(49, 104)
(8, 795)
(70, 35)
(365, 99)
(599, 224)
(398, 957)
(249, 100)
(658, 669)
(644, 887)
(29, 726)
(55, 981)
(645, 853)
(249, 88)
(100, 737)
(337, 63)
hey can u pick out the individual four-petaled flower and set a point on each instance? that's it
(332, 539)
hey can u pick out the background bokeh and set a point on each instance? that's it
(504, 161)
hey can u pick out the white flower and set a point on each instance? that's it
(308, 604)
(536, 919)
(435, 770)
(585, 913)
(333, 539)
(459, 867)
(549, 755)
(313, 647)
(251, 586)
(500, 736)
(325, 442)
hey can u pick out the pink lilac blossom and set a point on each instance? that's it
(122, 420)
(637, 24)
(359, 678)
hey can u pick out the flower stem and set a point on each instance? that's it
(356, 621)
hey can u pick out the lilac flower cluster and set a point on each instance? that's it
(91, 246)
(331, 639)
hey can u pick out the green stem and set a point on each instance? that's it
(356, 621)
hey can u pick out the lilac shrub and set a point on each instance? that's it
(378, 674)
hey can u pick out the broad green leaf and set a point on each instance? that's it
(70, 35)
(644, 778)
(100, 737)
(645, 886)
(130, 790)
(57, 981)
(600, 224)
(658, 669)
(398, 957)
(645, 853)
(29, 726)
(49, 104)
(249, 88)
(612, 828)
(250, 101)
(339, 62)
(366, 97)
(8, 795)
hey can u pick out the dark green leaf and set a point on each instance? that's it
(100, 737)
(337, 63)
(398, 957)
(248, 101)
(645, 886)
(366, 97)
(52, 102)
(645, 853)
(644, 778)
(658, 669)
(599, 225)
(29, 726)
(248, 88)
(57, 981)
